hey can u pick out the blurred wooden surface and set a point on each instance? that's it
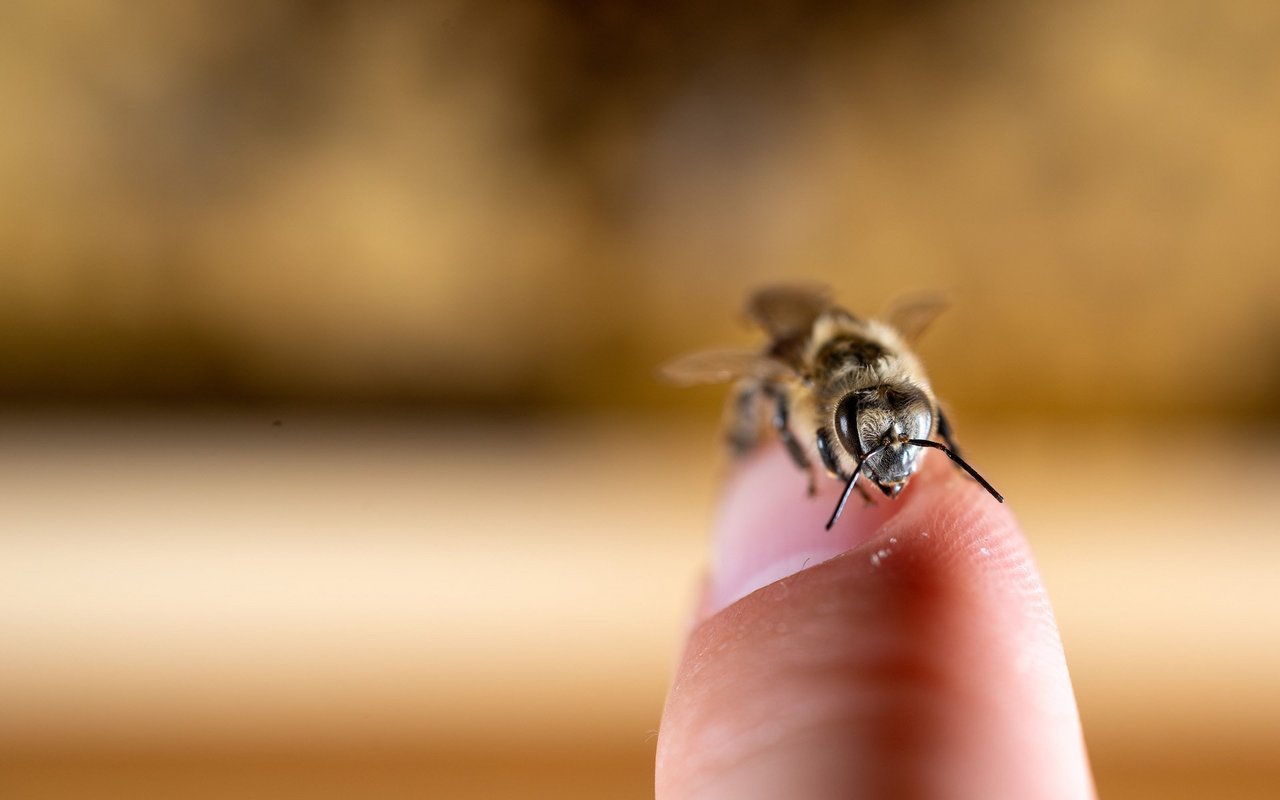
(225, 607)
(382, 200)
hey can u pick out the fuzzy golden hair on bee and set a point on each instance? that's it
(839, 391)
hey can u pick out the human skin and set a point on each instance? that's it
(910, 651)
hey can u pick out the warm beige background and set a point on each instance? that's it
(445, 246)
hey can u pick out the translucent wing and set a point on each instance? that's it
(719, 366)
(911, 315)
(787, 311)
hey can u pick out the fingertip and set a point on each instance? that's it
(911, 649)
(770, 527)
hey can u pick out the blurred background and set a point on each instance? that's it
(331, 457)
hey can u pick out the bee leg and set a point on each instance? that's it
(781, 420)
(828, 454)
(944, 430)
(742, 418)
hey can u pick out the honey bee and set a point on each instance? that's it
(852, 385)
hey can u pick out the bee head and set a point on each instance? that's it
(885, 417)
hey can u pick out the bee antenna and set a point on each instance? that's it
(848, 487)
(951, 454)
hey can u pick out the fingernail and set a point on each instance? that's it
(769, 527)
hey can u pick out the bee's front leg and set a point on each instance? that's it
(944, 430)
(828, 454)
(781, 423)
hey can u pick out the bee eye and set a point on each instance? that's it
(911, 411)
(847, 425)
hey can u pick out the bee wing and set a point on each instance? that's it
(911, 315)
(788, 310)
(719, 366)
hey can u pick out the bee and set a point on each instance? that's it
(851, 386)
